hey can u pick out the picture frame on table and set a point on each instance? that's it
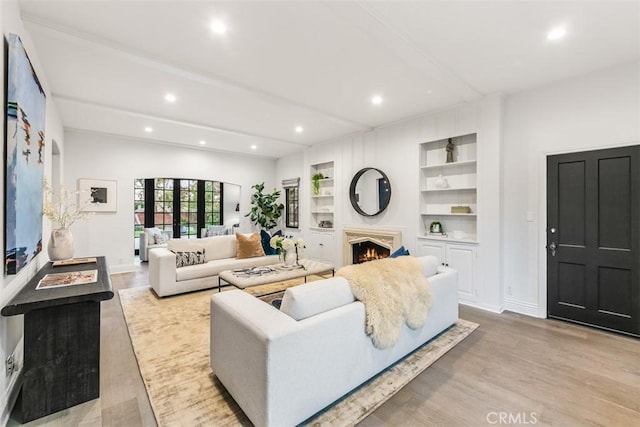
(99, 195)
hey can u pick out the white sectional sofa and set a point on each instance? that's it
(281, 371)
(220, 254)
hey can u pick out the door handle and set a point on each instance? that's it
(553, 247)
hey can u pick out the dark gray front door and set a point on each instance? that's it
(593, 238)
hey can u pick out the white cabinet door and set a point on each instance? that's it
(463, 259)
(431, 247)
(320, 247)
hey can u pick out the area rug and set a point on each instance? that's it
(170, 338)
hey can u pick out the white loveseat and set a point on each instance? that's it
(281, 371)
(220, 254)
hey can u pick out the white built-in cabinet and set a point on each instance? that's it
(320, 246)
(442, 186)
(322, 203)
(460, 256)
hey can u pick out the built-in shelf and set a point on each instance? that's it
(447, 238)
(445, 185)
(448, 214)
(428, 190)
(322, 204)
(450, 165)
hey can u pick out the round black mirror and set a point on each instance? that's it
(370, 191)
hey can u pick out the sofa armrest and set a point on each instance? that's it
(162, 270)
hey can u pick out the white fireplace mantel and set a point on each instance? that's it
(390, 239)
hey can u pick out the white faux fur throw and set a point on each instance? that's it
(393, 290)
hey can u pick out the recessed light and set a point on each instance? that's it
(170, 97)
(203, 142)
(556, 33)
(218, 27)
(254, 147)
(299, 129)
(148, 129)
(376, 100)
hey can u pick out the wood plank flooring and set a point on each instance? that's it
(513, 370)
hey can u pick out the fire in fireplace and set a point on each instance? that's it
(368, 251)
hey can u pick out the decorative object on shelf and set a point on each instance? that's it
(24, 158)
(63, 207)
(441, 182)
(459, 234)
(316, 182)
(370, 191)
(100, 195)
(450, 147)
(289, 249)
(265, 210)
(436, 228)
(325, 224)
(460, 209)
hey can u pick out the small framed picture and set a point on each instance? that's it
(99, 195)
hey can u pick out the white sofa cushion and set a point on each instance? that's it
(313, 298)
(151, 232)
(219, 247)
(429, 265)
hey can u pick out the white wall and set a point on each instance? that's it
(106, 157)
(595, 111)
(11, 328)
(394, 149)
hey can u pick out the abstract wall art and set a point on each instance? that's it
(24, 149)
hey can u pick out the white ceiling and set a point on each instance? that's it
(308, 63)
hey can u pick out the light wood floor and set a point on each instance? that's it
(513, 370)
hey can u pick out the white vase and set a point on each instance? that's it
(290, 258)
(441, 182)
(60, 244)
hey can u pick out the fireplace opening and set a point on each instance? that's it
(368, 251)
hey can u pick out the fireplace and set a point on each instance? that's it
(368, 251)
(363, 244)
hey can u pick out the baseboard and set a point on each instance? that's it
(522, 307)
(491, 308)
(10, 394)
(122, 268)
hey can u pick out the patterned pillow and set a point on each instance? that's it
(160, 238)
(189, 258)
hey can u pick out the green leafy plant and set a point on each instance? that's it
(316, 182)
(265, 209)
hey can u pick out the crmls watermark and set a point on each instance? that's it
(512, 418)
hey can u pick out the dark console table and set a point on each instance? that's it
(61, 341)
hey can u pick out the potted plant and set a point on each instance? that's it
(265, 209)
(316, 182)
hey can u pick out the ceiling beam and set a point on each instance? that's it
(141, 57)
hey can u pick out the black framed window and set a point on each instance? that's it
(163, 203)
(213, 191)
(138, 210)
(182, 205)
(292, 202)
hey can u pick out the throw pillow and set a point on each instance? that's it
(401, 251)
(184, 259)
(265, 238)
(161, 238)
(249, 246)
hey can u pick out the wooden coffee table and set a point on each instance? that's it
(278, 273)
